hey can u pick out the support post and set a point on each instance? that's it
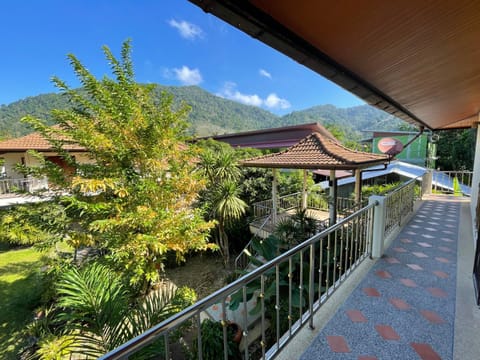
(358, 186)
(332, 203)
(378, 237)
(304, 190)
(427, 181)
(274, 197)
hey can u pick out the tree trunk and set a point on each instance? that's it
(223, 243)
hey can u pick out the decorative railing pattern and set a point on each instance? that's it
(287, 291)
(10, 186)
(399, 204)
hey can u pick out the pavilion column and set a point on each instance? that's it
(358, 186)
(304, 190)
(332, 204)
(274, 197)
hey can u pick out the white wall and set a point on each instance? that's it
(12, 159)
(475, 184)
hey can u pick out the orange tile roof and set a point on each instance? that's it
(317, 152)
(33, 141)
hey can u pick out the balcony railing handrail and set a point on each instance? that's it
(171, 323)
(29, 184)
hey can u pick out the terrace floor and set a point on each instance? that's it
(416, 302)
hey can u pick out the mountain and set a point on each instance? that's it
(211, 114)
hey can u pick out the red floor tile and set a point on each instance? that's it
(425, 351)
(400, 249)
(441, 274)
(437, 292)
(399, 304)
(406, 241)
(371, 292)
(415, 267)
(442, 260)
(338, 344)
(383, 274)
(432, 316)
(356, 316)
(445, 249)
(392, 260)
(387, 332)
(408, 282)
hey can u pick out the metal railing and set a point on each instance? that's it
(242, 260)
(317, 201)
(452, 182)
(287, 291)
(11, 186)
(399, 204)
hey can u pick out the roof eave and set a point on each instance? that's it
(251, 20)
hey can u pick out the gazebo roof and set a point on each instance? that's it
(317, 152)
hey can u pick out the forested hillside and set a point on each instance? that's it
(214, 115)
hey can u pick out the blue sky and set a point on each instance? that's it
(174, 43)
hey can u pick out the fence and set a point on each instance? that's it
(10, 186)
(452, 182)
(315, 200)
(287, 291)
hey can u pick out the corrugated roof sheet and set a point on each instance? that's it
(317, 152)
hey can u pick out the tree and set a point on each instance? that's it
(96, 316)
(456, 149)
(134, 200)
(222, 197)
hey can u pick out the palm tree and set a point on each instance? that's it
(219, 164)
(227, 207)
(98, 316)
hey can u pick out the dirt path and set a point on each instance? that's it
(204, 274)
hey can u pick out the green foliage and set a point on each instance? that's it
(219, 164)
(94, 313)
(134, 200)
(378, 189)
(290, 182)
(214, 115)
(20, 290)
(456, 149)
(42, 224)
(457, 190)
(212, 341)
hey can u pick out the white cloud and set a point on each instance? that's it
(187, 30)
(274, 102)
(265, 73)
(188, 76)
(229, 92)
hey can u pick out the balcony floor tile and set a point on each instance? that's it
(411, 317)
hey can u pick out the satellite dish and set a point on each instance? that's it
(390, 146)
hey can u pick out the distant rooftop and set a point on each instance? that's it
(273, 138)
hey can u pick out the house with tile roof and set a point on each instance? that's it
(16, 151)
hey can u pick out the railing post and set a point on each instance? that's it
(427, 182)
(378, 225)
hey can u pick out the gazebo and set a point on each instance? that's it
(318, 151)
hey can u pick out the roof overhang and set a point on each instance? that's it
(417, 60)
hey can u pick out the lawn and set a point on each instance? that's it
(19, 293)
